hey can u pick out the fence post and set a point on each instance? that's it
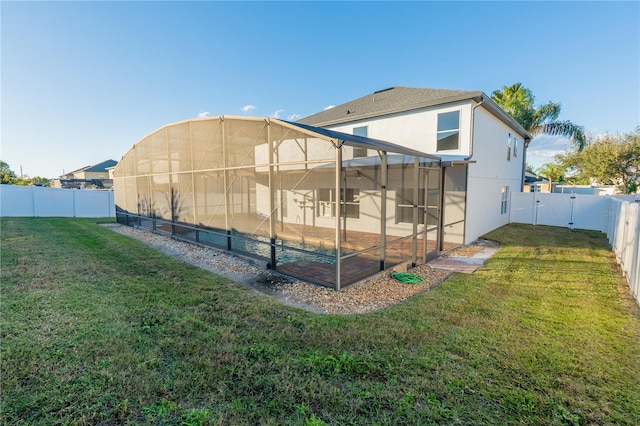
(634, 271)
(73, 192)
(33, 200)
(573, 202)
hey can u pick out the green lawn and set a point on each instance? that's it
(96, 328)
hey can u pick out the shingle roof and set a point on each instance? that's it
(400, 99)
(101, 167)
(387, 101)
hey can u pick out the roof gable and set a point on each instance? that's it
(401, 99)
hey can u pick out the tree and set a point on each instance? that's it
(518, 101)
(552, 171)
(608, 160)
(6, 174)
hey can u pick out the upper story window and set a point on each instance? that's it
(509, 147)
(515, 147)
(357, 151)
(448, 131)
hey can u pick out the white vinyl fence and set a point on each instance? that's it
(618, 217)
(33, 201)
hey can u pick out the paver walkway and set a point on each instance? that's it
(465, 264)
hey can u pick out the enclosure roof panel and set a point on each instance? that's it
(336, 138)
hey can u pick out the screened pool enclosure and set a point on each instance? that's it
(327, 207)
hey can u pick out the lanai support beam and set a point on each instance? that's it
(338, 184)
(272, 201)
(416, 184)
(383, 208)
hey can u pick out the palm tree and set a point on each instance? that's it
(518, 101)
(553, 172)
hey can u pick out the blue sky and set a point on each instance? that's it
(83, 81)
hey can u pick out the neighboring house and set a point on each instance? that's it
(482, 148)
(537, 183)
(98, 176)
(541, 184)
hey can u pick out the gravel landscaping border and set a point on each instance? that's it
(372, 294)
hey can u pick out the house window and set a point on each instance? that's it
(504, 206)
(349, 203)
(509, 147)
(404, 206)
(448, 131)
(359, 152)
(515, 147)
(326, 202)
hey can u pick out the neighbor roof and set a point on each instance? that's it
(400, 99)
(102, 167)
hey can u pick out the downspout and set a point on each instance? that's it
(471, 129)
(524, 163)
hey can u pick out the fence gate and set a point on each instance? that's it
(566, 210)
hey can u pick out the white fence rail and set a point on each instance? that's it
(618, 217)
(33, 201)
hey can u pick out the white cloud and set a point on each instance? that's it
(294, 117)
(277, 113)
(203, 114)
(544, 148)
(249, 108)
(328, 107)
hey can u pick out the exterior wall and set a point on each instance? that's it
(92, 175)
(415, 129)
(490, 173)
